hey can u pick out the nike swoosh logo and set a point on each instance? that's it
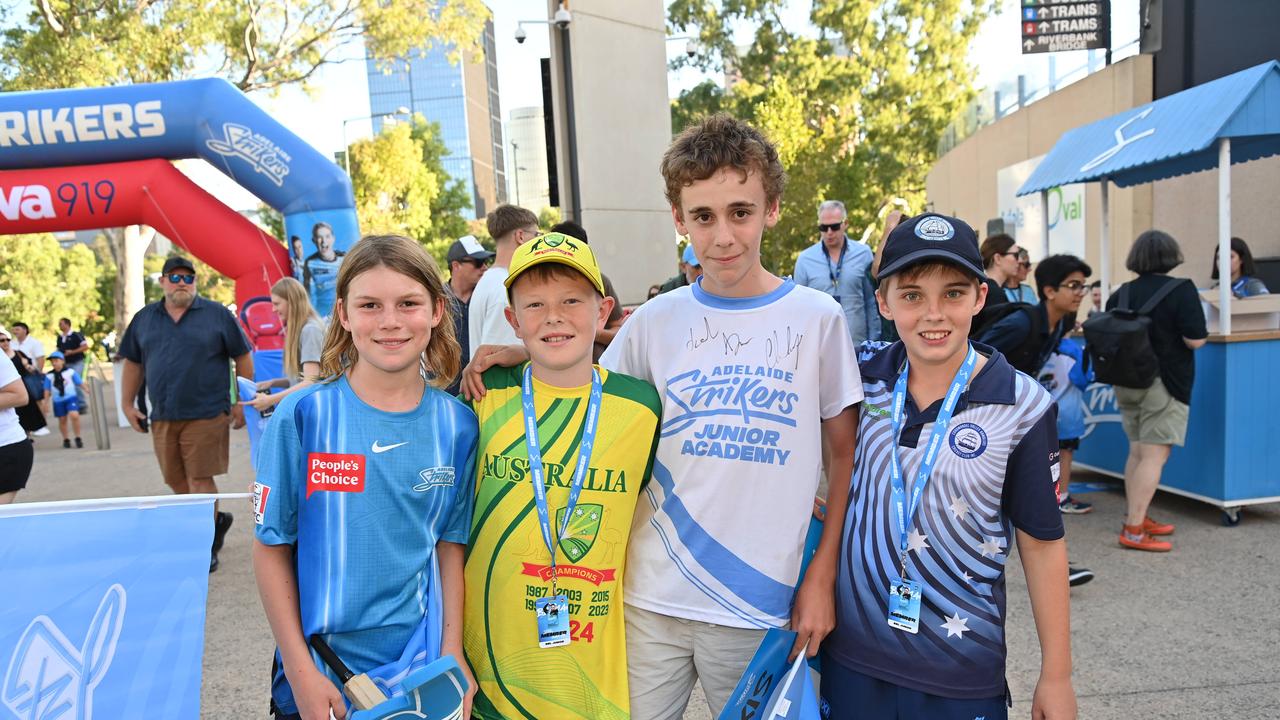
(383, 448)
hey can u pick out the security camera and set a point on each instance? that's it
(691, 48)
(561, 18)
(521, 34)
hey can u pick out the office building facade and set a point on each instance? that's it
(463, 99)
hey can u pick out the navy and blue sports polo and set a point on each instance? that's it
(997, 471)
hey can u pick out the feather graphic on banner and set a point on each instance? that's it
(49, 678)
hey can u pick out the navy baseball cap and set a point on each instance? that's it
(935, 237)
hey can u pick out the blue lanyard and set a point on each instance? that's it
(1238, 287)
(838, 269)
(907, 512)
(535, 461)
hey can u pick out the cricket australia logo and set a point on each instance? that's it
(265, 156)
(49, 678)
(434, 477)
(582, 531)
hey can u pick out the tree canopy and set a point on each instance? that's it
(260, 44)
(855, 104)
(401, 186)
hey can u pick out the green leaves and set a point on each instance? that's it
(256, 44)
(855, 103)
(401, 186)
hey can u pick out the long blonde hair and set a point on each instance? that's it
(299, 314)
(442, 357)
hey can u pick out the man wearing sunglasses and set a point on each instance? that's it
(468, 261)
(838, 266)
(182, 347)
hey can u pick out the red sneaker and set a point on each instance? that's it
(1138, 539)
(1151, 527)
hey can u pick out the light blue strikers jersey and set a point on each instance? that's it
(364, 496)
(320, 277)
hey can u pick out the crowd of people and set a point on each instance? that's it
(30, 391)
(625, 497)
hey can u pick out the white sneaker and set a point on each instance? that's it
(41, 432)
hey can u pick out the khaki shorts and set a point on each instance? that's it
(665, 655)
(189, 449)
(1152, 415)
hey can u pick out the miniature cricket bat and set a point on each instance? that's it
(359, 689)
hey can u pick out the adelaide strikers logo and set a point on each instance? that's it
(968, 441)
(583, 528)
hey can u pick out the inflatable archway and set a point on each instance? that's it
(149, 192)
(76, 131)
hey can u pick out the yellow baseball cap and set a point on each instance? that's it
(557, 248)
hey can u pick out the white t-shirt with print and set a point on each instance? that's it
(486, 322)
(10, 431)
(745, 383)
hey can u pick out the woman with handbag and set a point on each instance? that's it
(30, 416)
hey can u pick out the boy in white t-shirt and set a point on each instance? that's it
(753, 371)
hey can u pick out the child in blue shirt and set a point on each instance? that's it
(364, 493)
(956, 459)
(60, 386)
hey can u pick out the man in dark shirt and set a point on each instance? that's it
(183, 346)
(73, 347)
(467, 260)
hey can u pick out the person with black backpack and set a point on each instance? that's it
(1143, 345)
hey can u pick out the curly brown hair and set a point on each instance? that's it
(721, 141)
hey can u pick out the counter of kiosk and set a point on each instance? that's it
(1232, 453)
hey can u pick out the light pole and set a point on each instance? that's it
(346, 148)
(561, 20)
(515, 160)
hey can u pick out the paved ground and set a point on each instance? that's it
(1191, 634)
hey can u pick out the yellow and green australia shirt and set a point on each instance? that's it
(508, 566)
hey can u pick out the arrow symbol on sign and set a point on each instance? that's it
(1028, 45)
(1045, 27)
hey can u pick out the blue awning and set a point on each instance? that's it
(1172, 136)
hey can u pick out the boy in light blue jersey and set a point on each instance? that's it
(364, 492)
(957, 458)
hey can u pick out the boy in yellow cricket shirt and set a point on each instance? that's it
(565, 448)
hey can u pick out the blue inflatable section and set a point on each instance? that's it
(207, 118)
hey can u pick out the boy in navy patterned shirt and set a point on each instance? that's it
(957, 457)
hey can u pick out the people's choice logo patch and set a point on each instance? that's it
(968, 441)
(335, 472)
(935, 228)
(260, 495)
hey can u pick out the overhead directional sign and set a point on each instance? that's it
(1049, 26)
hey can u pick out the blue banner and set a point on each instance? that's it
(105, 607)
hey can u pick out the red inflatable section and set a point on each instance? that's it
(148, 192)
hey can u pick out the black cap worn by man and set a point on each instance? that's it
(468, 248)
(931, 237)
(176, 263)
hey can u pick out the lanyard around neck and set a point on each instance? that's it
(538, 475)
(906, 512)
(836, 271)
